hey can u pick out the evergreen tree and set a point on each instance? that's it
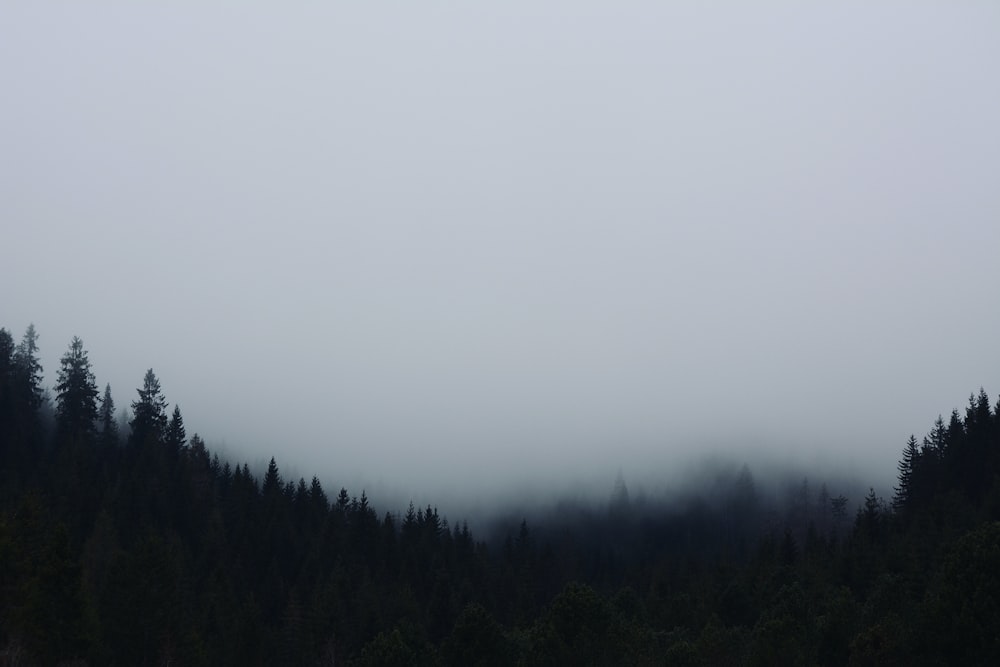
(936, 441)
(7, 349)
(28, 369)
(149, 413)
(175, 437)
(343, 500)
(904, 491)
(272, 479)
(109, 425)
(76, 393)
(870, 516)
(317, 496)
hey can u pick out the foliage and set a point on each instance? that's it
(159, 552)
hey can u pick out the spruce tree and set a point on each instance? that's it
(272, 479)
(149, 413)
(109, 425)
(904, 491)
(7, 349)
(76, 393)
(28, 369)
(936, 442)
(175, 437)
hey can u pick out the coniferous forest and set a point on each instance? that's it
(139, 546)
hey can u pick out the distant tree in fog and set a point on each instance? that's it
(175, 437)
(106, 416)
(149, 413)
(76, 393)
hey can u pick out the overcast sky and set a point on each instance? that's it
(444, 247)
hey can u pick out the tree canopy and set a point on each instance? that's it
(162, 552)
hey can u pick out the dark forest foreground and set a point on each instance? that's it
(131, 544)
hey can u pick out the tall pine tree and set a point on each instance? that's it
(910, 460)
(76, 394)
(109, 425)
(28, 369)
(175, 436)
(7, 349)
(149, 413)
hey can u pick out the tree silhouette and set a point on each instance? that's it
(175, 437)
(134, 556)
(149, 412)
(109, 424)
(76, 393)
(904, 490)
(28, 369)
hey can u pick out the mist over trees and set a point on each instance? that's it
(144, 547)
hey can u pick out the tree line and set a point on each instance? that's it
(143, 547)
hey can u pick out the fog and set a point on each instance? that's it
(457, 253)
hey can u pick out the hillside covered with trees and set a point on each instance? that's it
(139, 546)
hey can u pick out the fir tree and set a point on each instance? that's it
(936, 441)
(272, 479)
(109, 425)
(904, 491)
(76, 393)
(175, 437)
(149, 413)
(28, 369)
(7, 350)
(317, 496)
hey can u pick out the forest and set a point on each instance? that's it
(133, 544)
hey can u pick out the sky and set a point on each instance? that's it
(445, 249)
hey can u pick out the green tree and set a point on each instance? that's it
(76, 393)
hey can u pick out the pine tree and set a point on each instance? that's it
(7, 350)
(28, 369)
(343, 500)
(76, 393)
(936, 441)
(904, 491)
(870, 516)
(109, 425)
(149, 413)
(175, 437)
(272, 480)
(316, 495)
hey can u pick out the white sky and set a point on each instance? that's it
(449, 247)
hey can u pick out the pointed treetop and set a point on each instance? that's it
(175, 436)
(272, 479)
(76, 393)
(149, 413)
(28, 368)
(106, 416)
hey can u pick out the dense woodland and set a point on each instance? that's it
(138, 546)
